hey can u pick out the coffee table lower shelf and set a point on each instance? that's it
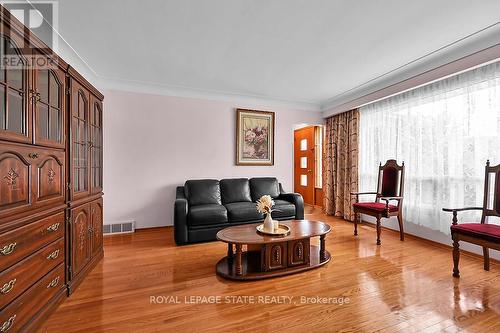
(251, 269)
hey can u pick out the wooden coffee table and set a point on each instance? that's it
(269, 256)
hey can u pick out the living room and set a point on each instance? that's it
(202, 166)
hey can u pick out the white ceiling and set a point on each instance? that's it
(302, 51)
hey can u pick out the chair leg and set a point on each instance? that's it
(456, 257)
(401, 228)
(356, 216)
(486, 255)
(378, 229)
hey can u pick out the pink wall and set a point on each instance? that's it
(153, 143)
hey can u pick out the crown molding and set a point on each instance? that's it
(175, 91)
(475, 49)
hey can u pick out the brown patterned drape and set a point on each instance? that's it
(340, 164)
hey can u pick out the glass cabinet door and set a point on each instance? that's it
(96, 146)
(48, 103)
(80, 101)
(15, 118)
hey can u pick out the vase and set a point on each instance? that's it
(268, 223)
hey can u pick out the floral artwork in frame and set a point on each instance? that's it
(254, 137)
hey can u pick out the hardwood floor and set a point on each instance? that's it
(398, 286)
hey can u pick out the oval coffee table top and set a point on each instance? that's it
(247, 233)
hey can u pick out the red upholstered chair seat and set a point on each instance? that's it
(489, 232)
(375, 206)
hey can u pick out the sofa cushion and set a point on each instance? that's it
(202, 192)
(207, 214)
(489, 232)
(375, 206)
(283, 209)
(242, 212)
(235, 190)
(264, 186)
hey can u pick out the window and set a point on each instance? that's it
(444, 132)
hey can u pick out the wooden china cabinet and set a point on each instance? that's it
(51, 204)
(84, 153)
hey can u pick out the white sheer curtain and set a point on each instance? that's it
(444, 132)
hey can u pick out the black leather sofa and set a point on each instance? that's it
(203, 207)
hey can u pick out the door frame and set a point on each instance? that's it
(315, 163)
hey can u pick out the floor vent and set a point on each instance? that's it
(119, 228)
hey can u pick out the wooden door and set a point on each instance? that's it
(49, 176)
(96, 229)
(48, 104)
(304, 165)
(80, 238)
(15, 115)
(95, 130)
(15, 179)
(79, 141)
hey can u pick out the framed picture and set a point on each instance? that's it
(254, 137)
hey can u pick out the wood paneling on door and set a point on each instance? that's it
(96, 213)
(49, 175)
(15, 179)
(80, 229)
(304, 167)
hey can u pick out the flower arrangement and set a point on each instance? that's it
(256, 142)
(265, 204)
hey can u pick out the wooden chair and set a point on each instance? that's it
(390, 187)
(479, 233)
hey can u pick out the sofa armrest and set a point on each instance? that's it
(180, 217)
(297, 200)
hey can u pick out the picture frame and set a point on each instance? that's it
(255, 137)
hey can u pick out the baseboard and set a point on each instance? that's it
(465, 252)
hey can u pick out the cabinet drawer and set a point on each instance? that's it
(21, 242)
(20, 311)
(25, 273)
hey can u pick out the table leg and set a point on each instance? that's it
(238, 267)
(230, 253)
(322, 250)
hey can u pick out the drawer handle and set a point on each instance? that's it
(53, 255)
(33, 155)
(8, 286)
(8, 324)
(53, 283)
(8, 249)
(53, 227)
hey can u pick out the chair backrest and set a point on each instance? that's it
(390, 179)
(491, 203)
